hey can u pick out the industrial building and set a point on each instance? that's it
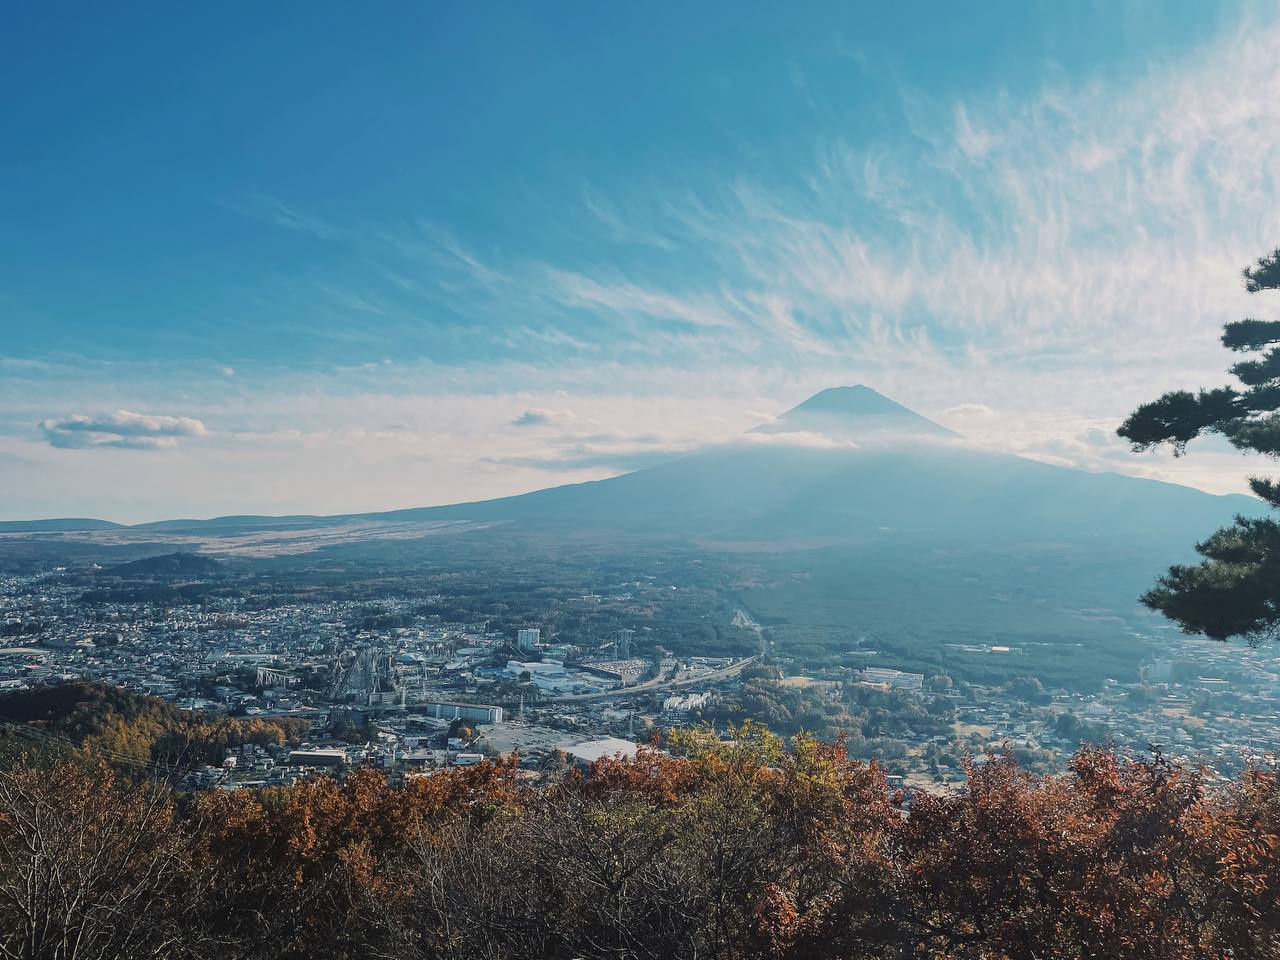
(446, 710)
(897, 679)
(327, 757)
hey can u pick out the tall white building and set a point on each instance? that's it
(1159, 671)
(527, 638)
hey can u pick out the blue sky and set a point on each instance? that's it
(304, 257)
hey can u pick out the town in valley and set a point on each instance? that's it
(413, 673)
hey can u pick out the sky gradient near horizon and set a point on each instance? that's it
(313, 259)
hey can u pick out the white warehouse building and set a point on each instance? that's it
(897, 679)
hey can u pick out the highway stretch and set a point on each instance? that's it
(686, 680)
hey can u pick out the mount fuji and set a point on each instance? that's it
(847, 517)
(846, 465)
(851, 464)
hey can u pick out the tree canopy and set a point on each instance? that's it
(739, 851)
(1235, 590)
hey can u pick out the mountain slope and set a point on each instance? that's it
(779, 491)
(877, 470)
(847, 464)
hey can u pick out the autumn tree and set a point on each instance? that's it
(91, 866)
(747, 849)
(318, 868)
(1235, 590)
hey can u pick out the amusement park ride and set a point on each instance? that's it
(360, 674)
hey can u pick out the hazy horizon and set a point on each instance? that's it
(842, 427)
(348, 263)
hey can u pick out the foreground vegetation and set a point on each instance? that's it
(741, 850)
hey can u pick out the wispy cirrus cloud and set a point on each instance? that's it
(1078, 225)
(622, 226)
(995, 262)
(272, 211)
(123, 429)
(630, 300)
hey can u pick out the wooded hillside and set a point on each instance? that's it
(121, 726)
